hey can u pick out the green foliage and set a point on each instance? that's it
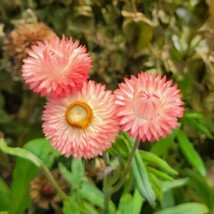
(192, 208)
(4, 195)
(142, 180)
(163, 145)
(137, 32)
(196, 120)
(27, 170)
(154, 160)
(190, 153)
(20, 187)
(130, 204)
(202, 188)
(84, 195)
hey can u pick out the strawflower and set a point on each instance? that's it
(57, 67)
(83, 124)
(148, 106)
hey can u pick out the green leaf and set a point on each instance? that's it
(167, 200)
(125, 205)
(120, 147)
(156, 185)
(137, 202)
(197, 125)
(153, 159)
(137, 33)
(129, 29)
(94, 195)
(185, 83)
(142, 179)
(163, 145)
(91, 193)
(168, 185)
(23, 173)
(77, 173)
(89, 208)
(26, 170)
(191, 208)
(159, 174)
(145, 35)
(130, 203)
(140, 174)
(194, 115)
(83, 190)
(190, 153)
(66, 173)
(71, 206)
(4, 195)
(202, 188)
(41, 148)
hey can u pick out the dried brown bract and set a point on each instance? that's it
(20, 39)
(42, 192)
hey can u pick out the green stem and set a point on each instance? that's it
(19, 152)
(106, 185)
(53, 182)
(126, 170)
(134, 8)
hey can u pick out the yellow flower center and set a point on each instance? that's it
(79, 114)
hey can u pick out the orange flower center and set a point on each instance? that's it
(79, 114)
(147, 104)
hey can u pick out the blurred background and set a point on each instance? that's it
(171, 37)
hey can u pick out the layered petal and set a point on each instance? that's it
(83, 124)
(57, 67)
(148, 106)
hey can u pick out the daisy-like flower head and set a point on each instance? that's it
(148, 106)
(82, 124)
(56, 67)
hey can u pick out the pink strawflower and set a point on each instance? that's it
(148, 106)
(83, 124)
(56, 67)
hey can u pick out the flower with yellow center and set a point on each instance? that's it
(83, 124)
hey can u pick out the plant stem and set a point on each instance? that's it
(106, 185)
(134, 8)
(126, 170)
(19, 152)
(53, 182)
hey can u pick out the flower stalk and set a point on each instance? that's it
(19, 152)
(106, 185)
(108, 189)
(126, 170)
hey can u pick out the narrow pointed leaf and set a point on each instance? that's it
(140, 173)
(142, 180)
(159, 174)
(190, 153)
(158, 162)
(195, 208)
(168, 185)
